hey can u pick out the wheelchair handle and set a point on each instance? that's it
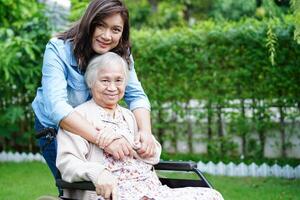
(48, 132)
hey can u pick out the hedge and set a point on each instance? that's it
(217, 64)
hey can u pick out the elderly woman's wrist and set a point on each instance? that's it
(145, 131)
(97, 139)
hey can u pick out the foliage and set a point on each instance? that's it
(78, 8)
(166, 16)
(296, 11)
(139, 12)
(162, 14)
(233, 9)
(23, 31)
(271, 42)
(222, 62)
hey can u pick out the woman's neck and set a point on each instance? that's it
(110, 111)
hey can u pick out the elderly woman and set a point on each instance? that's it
(128, 179)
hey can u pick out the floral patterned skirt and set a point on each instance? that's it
(138, 181)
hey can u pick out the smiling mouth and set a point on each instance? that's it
(102, 44)
(111, 95)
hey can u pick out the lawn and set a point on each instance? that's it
(27, 181)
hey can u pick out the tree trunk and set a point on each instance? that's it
(209, 127)
(220, 128)
(160, 131)
(282, 131)
(174, 131)
(262, 140)
(190, 136)
(261, 134)
(243, 134)
(258, 117)
(22, 131)
(6, 144)
(3, 144)
(189, 128)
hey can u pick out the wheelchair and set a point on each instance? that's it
(182, 166)
(161, 166)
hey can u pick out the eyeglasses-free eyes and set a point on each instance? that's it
(107, 82)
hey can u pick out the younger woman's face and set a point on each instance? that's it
(108, 34)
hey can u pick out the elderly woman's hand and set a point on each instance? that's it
(119, 148)
(105, 136)
(106, 185)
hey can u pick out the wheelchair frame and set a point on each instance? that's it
(163, 165)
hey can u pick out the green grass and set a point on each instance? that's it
(249, 188)
(257, 188)
(27, 181)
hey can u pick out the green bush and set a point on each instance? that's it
(217, 63)
(24, 31)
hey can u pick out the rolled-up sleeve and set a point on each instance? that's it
(54, 85)
(135, 96)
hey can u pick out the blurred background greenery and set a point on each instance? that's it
(220, 73)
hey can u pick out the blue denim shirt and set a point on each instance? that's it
(63, 85)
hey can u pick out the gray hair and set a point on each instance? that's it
(106, 59)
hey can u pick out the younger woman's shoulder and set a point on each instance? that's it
(62, 48)
(58, 42)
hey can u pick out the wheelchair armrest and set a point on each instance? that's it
(176, 165)
(82, 185)
(189, 166)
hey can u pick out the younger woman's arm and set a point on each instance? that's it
(139, 104)
(77, 124)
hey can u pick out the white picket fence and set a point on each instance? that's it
(254, 170)
(220, 168)
(20, 157)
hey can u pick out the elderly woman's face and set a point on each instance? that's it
(109, 87)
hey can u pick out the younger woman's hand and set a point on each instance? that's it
(148, 147)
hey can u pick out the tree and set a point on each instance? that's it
(24, 31)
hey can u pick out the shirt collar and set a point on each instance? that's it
(70, 49)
